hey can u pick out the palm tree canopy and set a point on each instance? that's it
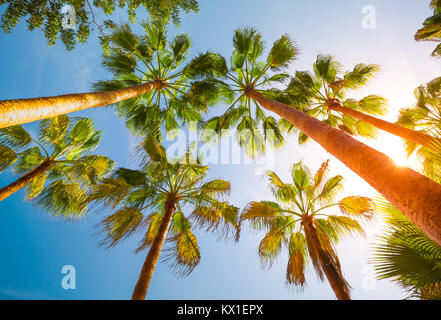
(151, 57)
(247, 69)
(68, 144)
(431, 30)
(407, 255)
(425, 115)
(300, 203)
(138, 198)
(313, 93)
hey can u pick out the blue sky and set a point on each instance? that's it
(36, 246)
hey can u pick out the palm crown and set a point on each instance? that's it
(66, 145)
(298, 221)
(135, 60)
(425, 116)
(431, 30)
(247, 70)
(406, 254)
(313, 93)
(139, 198)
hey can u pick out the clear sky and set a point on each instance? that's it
(35, 246)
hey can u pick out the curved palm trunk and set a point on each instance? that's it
(405, 133)
(142, 286)
(25, 180)
(13, 112)
(331, 267)
(415, 195)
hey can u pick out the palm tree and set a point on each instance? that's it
(431, 30)
(252, 124)
(154, 199)
(405, 254)
(298, 220)
(323, 96)
(146, 69)
(414, 194)
(152, 59)
(58, 167)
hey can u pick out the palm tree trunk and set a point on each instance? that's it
(415, 195)
(334, 276)
(405, 133)
(25, 180)
(330, 266)
(13, 112)
(142, 286)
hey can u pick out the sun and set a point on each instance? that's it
(394, 148)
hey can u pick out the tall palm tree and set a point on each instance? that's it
(301, 220)
(412, 193)
(154, 199)
(146, 69)
(405, 254)
(431, 30)
(58, 167)
(322, 94)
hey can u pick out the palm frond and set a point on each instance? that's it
(153, 221)
(330, 189)
(270, 247)
(123, 38)
(360, 75)
(180, 45)
(298, 254)
(36, 186)
(321, 174)
(326, 67)
(360, 207)
(110, 192)
(283, 52)
(262, 210)
(216, 187)
(28, 160)
(53, 130)
(344, 225)
(208, 64)
(89, 169)
(282, 191)
(15, 137)
(184, 255)
(373, 104)
(120, 225)
(64, 200)
(154, 149)
(246, 39)
(301, 175)
(7, 157)
(406, 254)
(219, 217)
(119, 63)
